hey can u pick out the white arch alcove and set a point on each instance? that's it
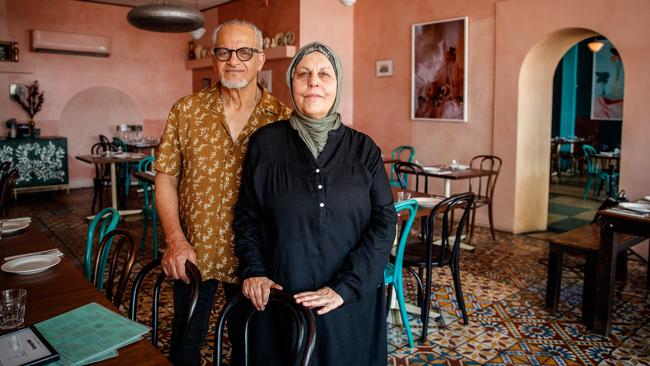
(87, 114)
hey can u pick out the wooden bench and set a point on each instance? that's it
(584, 241)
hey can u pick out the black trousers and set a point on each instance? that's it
(186, 351)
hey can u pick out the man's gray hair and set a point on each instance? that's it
(258, 33)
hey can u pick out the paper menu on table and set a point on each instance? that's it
(89, 333)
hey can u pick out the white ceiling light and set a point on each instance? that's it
(165, 18)
(198, 33)
(348, 2)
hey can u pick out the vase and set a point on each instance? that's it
(32, 124)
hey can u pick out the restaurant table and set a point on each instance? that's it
(143, 145)
(456, 174)
(63, 288)
(113, 159)
(612, 221)
(151, 178)
(609, 158)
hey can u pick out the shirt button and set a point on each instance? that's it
(320, 186)
(322, 204)
(317, 170)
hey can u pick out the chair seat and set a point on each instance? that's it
(415, 254)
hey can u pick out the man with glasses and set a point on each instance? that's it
(199, 167)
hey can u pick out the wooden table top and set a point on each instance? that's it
(460, 174)
(113, 158)
(422, 211)
(63, 288)
(145, 176)
(621, 214)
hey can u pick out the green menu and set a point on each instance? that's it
(89, 334)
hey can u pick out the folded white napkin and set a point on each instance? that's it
(54, 251)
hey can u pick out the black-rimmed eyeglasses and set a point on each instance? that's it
(243, 54)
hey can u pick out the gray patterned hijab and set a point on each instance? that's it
(314, 131)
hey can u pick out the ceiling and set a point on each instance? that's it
(199, 4)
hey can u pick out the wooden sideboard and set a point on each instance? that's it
(42, 163)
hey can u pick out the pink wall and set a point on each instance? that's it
(146, 67)
(498, 43)
(316, 19)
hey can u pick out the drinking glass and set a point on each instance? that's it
(12, 308)
(403, 196)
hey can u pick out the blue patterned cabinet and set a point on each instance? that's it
(42, 163)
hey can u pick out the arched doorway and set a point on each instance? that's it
(87, 114)
(585, 132)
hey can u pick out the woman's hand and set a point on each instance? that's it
(257, 289)
(325, 298)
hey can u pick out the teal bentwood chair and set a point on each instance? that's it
(129, 168)
(595, 175)
(149, 209)
(397, 154)
(393, 271)
(104, 222)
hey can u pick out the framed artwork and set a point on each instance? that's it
(8, 51)
(607, 84)
(439, 70)
(384, 68)
(265, 79)
(206, 83)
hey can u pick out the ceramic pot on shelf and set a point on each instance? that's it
(197, 51)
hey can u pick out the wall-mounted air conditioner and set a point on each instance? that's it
(70, 43)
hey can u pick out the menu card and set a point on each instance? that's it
(89, 334)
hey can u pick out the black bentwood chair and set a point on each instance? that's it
(195, 281)
(116, 239)
(303, 317)
(446, 253)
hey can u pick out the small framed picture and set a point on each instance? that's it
(384, 68)
(8, 51)
(206, 83)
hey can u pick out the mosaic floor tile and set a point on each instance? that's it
(521, 353)
(486, 346)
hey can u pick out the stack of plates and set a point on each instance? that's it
(640, 207)
(427, 202)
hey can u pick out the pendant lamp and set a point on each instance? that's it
(165, 18)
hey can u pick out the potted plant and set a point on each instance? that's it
(32, 102)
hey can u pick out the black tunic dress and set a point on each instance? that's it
(309, 223)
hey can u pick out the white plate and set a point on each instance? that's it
(638, 207)
(13, 226)
(647, 198)
(30, 265)
(427, 202)
(431, 169)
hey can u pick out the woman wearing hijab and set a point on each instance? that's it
(315, 218)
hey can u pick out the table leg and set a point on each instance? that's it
(605, 279)
(447, 187)
(113, 186)
(554, 278)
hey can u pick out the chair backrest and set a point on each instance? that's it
(484, 186)
(7, 184)
(195, 281)
(100, 148)
(104, 140)
(397, 154)
(303, 317)
(104, 221)
(119, 143)
(117, 240)
(404, 169)
(4, 167)
(442, 212)
(412, 207)
(143, 166)
(592, 162)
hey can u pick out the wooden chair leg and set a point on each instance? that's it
(554, 278)
(621, 266)
(471, 229)
(455, 273)
(491, 217)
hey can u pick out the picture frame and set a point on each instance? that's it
(265, 78)
(8, 51)
(607, 84)
(439, 63)
(384, 68)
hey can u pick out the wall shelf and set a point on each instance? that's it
(16, 68)
(274, 53)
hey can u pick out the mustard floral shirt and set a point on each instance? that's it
(197, 148)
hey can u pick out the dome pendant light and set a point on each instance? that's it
(165, 18)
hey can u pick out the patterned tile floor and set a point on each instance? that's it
(503, 285)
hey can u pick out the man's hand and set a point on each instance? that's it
(257, 289)
(173, 262)
(325, 298)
